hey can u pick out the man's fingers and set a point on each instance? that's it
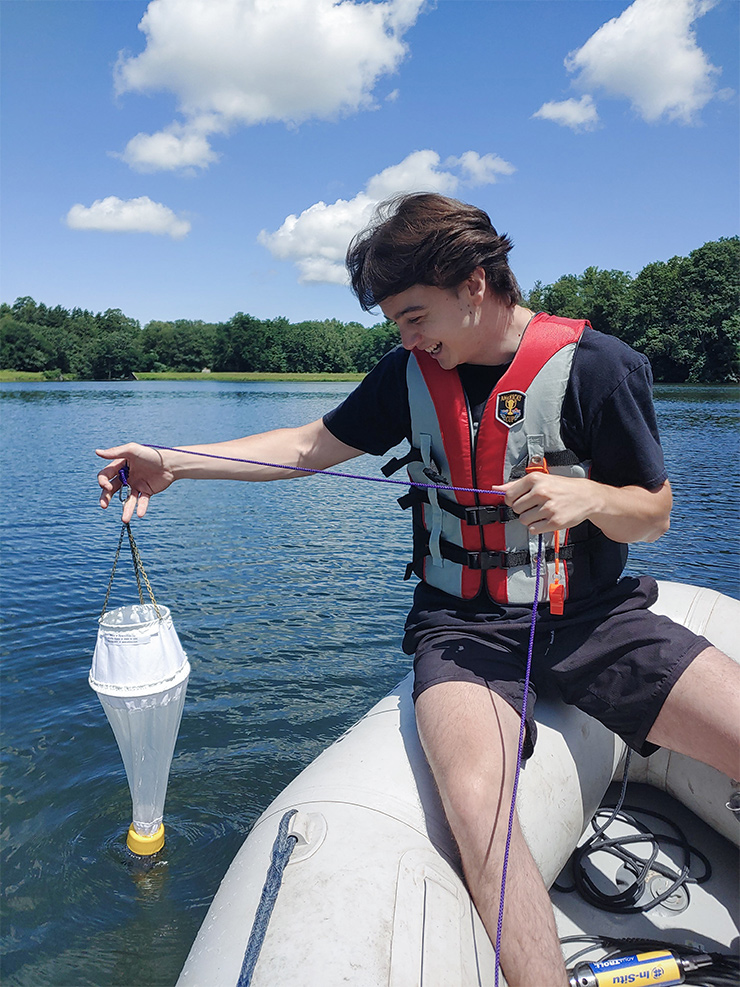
(142, 504)
(117, 452)
(129, 506)
(135, 503)
(108, 483)
(108, 475)
(105, 498)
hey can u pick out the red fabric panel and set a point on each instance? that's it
(452, 414)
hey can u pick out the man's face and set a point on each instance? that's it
(440, 321)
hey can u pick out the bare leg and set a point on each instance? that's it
(701, 716)
(470, 738)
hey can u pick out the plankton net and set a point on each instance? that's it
(140, 673)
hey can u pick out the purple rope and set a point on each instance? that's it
(522, 730)
(315, 472)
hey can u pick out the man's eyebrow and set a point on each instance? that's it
(405, 311)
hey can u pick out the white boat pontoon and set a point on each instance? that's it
(373, 892)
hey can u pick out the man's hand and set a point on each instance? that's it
(148, 475)
(548, 502)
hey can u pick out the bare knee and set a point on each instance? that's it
(469, 737)
(476, 803)
(701, 715)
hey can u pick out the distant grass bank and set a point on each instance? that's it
(251, 378)
(28, 376)
(21, 376)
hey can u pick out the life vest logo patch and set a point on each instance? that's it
(510, 407)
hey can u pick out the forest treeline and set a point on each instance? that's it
(682, 313)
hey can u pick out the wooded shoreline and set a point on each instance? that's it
(683, 314)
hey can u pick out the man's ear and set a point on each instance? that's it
(476, 285)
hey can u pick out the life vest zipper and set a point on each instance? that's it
(473, 432)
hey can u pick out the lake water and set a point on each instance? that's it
(289, 600)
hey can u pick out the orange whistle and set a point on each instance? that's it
(537, 464)
(556, 590)
(557, 598)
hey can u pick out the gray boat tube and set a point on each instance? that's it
(373, 893)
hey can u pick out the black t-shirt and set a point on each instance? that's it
(608, 414)
(608, 418)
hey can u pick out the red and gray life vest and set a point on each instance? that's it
(464, 541)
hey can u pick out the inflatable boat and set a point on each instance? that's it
(373, 892)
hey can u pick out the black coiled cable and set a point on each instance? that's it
(641, 867)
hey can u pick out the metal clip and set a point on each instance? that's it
(123, 477)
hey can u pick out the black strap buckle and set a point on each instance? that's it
(489, 514)
(435, 476)
(487, 560)
(497, 560)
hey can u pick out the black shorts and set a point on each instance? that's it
(617, 661)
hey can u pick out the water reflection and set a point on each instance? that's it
(699, 432)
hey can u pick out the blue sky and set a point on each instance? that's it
(192, 159)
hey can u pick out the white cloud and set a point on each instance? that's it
(649, 56)
(114, 215)
(420, 170)
(578, 114)
(174, 147)
(481, 170)
(317, 240)
(243, 62)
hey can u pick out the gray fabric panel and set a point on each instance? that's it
(439, 572)
(539, 432)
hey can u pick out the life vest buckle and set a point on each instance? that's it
(488, 560)
(489, 514)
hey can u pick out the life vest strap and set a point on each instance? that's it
(475, 515)
(398, 462)
(486, 559)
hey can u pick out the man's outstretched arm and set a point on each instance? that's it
(311, 447)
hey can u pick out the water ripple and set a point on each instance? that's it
(289, 600)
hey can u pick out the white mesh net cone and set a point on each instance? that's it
(140, 673)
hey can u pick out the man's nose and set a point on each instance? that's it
(409, 337)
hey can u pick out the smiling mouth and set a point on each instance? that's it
(434, 350)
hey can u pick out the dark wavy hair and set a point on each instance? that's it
(427, 238)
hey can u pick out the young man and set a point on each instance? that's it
(558, 420)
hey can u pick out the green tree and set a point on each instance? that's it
(243, 344)
(24, 309)
(600, 296)
(654, 301)
(374, 343)
(684, 314)
(24, 346)
(183, 346)
(710, 298)
(117, 346)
